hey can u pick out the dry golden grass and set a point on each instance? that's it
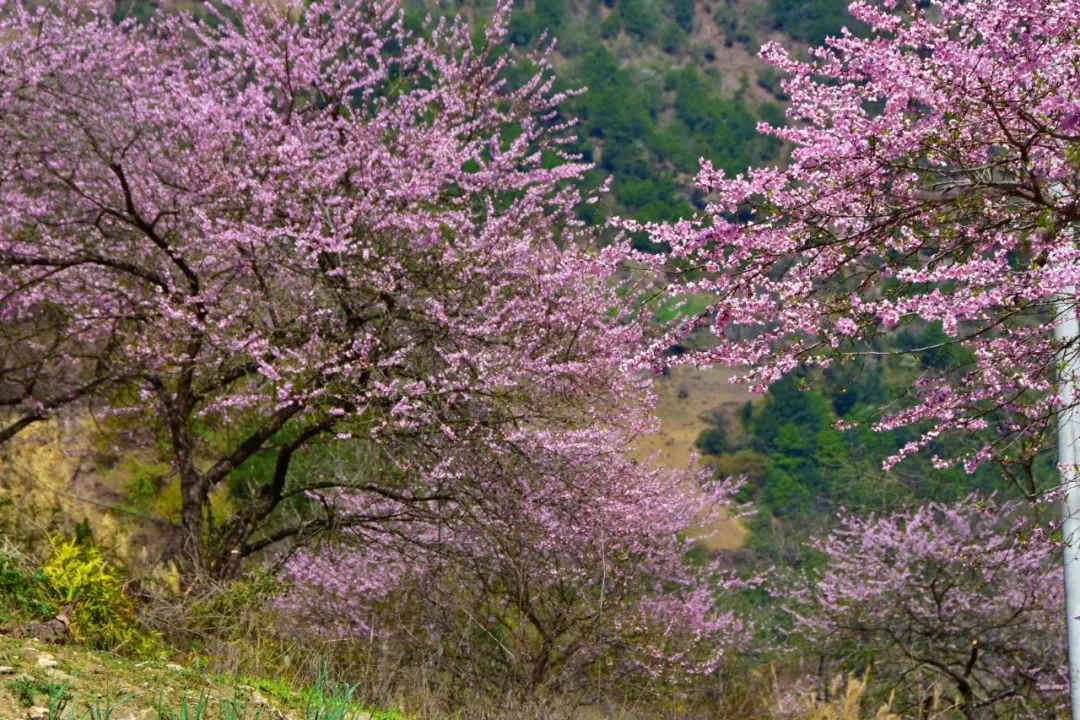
(682, 398)
(847, 702)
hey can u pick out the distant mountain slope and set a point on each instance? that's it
(670, 82)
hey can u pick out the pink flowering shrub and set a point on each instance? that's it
(965, 598)
(571, 567)
(933, 179)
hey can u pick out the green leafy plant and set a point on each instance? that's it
(23, 591)
(102, 707)
(58, 698)
(104, 616)
(28, 690)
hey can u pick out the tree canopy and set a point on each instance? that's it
(933, 180)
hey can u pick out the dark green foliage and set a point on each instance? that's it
(140, 10)
(737, 27)
(933, 348)
(623, 130)
(801, 467)
(812, 21)
(682, 12)
(24, 592)
(855, 384)
(721, 129)
(772, 113)
(640, 18)
(547, 17)
(806, 454)
(618, 129)
(551, 14)
(746, 415)
(712, 441)
(522, 28)
(769, 79)
(612, 108)
(611, 26)
(673, 38)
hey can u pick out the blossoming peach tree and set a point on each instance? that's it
(956, 605)
(933, 179)
(281, 232)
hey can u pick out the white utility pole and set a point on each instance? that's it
(1066, 330)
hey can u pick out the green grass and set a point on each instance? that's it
(685, 306)
(278, 689)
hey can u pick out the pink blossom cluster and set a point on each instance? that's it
(569, 550)
(251, 202)
(967, 596)
(933, 178)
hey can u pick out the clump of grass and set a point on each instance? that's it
(24, 592)
(186, 710)
(102, 707)
(847, 703)
(27, 691)
(328, 701)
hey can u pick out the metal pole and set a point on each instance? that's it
(1066, 330)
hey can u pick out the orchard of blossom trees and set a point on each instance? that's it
(332, 266)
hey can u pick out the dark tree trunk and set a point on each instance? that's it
(193, 497)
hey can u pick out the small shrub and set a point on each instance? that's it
(24, 690)
(237, 627)
(219, 611)
(712, 441)
(104, 615)
(23, 591)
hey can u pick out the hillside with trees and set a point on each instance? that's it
(338, 339)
